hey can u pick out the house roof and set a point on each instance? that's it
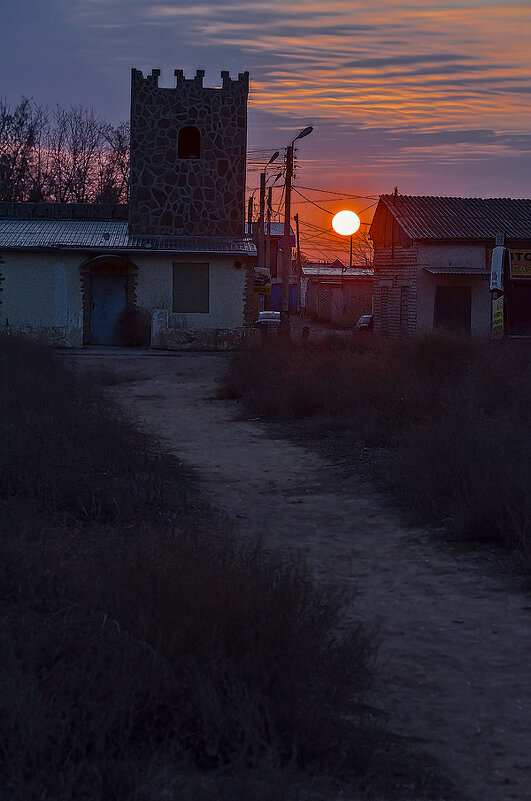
(276, 231)
(330, 270)
(460, 217)
(108, 235)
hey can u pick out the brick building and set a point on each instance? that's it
(432, 264)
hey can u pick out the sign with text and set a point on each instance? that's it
(498, 326)
(497, 268)
(262, 290)
(520, 262)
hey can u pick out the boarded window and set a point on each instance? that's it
(453, 306)
(189, 146)
(191, 282)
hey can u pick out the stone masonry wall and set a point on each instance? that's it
(175, 196)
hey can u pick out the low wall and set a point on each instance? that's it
(169, 333)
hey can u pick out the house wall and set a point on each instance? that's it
(226, 291)
(470, 257)
(340, 303)
(395, 290)
(404, 291)
(41, 296)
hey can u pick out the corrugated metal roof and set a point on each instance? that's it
(110, 235)
(322, 270)
(455, 271)
(460, 217)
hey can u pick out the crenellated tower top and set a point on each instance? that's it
(188, 155)
(239, 84)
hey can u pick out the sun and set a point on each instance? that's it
(346, 222)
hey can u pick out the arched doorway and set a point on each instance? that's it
(109, 287)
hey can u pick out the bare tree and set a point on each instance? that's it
(70, 155)
(20, 132)
(113, 165)
(362, 249)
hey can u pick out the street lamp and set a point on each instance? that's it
(346, 223)
(286, 250)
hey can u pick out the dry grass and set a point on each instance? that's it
(445, 423)
(145, 653)
(67, 451)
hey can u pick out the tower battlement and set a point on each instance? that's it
(188, 155)
(228, 84)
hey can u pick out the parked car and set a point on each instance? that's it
(268, 322)
(364, 323)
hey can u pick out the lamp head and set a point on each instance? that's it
(305, 132)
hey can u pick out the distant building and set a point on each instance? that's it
(336, 294)
(178, 253)
(432, 264)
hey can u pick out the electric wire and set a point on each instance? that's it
(341, 194)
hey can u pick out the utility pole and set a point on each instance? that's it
(261, 241)
(250, 216)
(286, 243)
(296, 218)
(268, 230)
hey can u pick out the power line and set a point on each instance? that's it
(307, 199)
(341, 194)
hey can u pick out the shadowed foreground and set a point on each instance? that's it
(454, 629)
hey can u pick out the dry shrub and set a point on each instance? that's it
(264, 673)
(79, 700)
(208, 654)
(133, 328)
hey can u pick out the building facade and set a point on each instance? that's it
(432, 264)
(178, 254)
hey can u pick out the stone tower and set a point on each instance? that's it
(188, 156)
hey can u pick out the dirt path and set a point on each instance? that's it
(456, 650)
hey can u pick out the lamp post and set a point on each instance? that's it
(346, 223)
(286, 249)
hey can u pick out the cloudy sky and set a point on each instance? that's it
(430, 96)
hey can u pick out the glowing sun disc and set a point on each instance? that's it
(346, 222)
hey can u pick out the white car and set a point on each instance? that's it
(364, 323)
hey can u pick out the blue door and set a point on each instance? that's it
(109, 299)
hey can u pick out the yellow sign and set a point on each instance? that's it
(497, 318)
(263, 290)
(521, 263)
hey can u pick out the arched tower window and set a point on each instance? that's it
(189, 146)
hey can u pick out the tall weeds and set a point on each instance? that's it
(446, 421)
(139, 640)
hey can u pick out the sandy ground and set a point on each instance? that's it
(456, 651)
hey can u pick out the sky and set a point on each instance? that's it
(431, 97)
